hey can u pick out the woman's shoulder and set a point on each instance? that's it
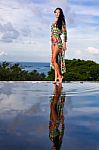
(63, 23)
(53, 24)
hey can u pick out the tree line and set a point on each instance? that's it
(79, 70)
(76, 70)
(14, 72)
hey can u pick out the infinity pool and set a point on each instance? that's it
(43, 116)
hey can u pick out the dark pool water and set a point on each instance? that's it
(42, 116)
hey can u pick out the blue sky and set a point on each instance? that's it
(25, 29)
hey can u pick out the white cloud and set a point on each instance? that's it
(2, 53)
(8, 33)
(25, 28)
(93, 51)
(85, 10)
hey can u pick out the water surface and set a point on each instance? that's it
(39, 115)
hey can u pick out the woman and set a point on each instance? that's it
(58, 46)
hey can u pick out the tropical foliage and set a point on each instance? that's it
(14, 72)
(79, 70)
(76, 70)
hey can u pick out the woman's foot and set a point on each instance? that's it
(60, 79)
(54, 82)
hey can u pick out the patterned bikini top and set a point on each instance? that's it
(56, 32)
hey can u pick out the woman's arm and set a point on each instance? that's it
(64, 32)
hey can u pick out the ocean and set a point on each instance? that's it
(41, 67)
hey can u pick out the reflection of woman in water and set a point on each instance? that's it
(56, 124)
(58, 46)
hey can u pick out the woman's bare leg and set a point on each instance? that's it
(55, 52)
(56, 76)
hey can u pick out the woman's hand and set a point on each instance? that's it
(64, 46)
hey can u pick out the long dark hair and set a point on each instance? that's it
(61, 19)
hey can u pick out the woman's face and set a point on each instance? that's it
(57, 13)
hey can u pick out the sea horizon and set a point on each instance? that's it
(41, 67)
(24, 61)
